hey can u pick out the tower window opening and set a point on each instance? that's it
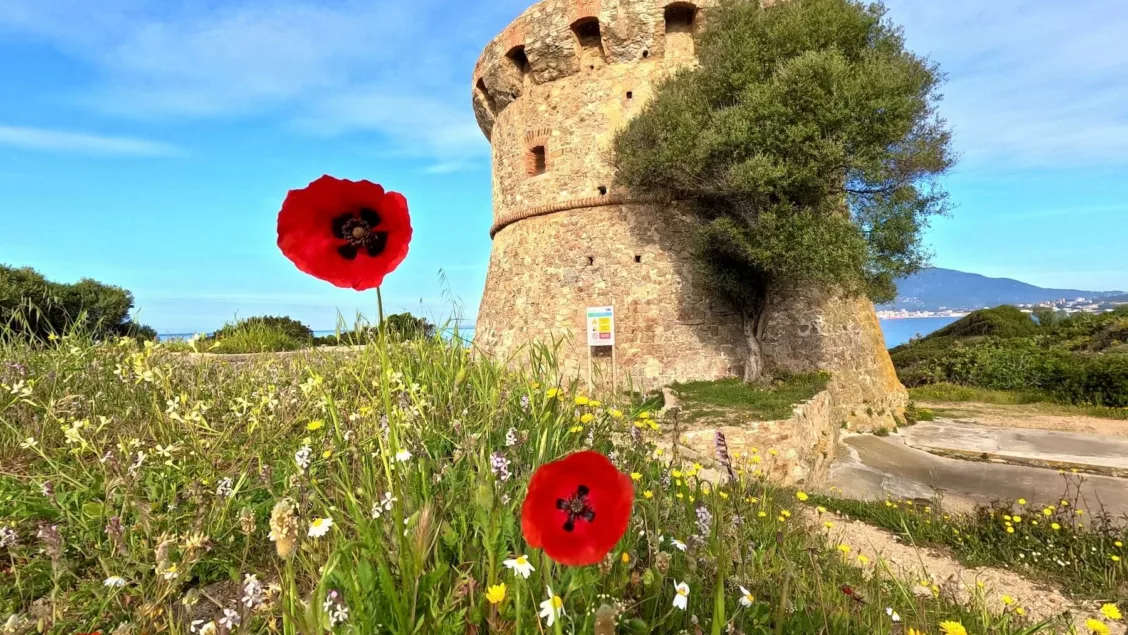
(587, 32)
(638, 258)
(645, 54)
(536, 161)
(630, 94)
(680, 17)
(591, 260)
(590, 41)
(603, 190)
(519, 58)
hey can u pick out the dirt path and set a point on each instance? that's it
(918, 564)
(1025, 416)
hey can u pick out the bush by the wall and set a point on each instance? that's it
(283, 324)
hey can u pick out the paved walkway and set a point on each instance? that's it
(1100, 454)
(878, 468)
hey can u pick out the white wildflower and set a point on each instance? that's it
(551, 608)
(746, 598)
(114, 582)
(681, 595)
(319, 527)
(520, 565)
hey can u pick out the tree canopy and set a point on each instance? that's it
(807, 142)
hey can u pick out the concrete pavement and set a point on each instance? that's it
(878, 468)
(1100, 454)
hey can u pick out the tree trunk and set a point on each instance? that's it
(754, 366)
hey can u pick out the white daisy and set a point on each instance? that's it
(681, 595)
(520, 566)
(746, 598)
(114, 582)
(403, 456)
(551, 608)
(319, 527)
(679, 545)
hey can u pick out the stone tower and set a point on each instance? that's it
(549, 92)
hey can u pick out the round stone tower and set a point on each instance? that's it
(549, 92)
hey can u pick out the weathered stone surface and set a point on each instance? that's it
(803, 445)
(564, 239)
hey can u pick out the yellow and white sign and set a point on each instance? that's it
(600, 326)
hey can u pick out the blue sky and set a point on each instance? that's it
(149, 144)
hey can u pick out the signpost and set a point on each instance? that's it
(601, 332)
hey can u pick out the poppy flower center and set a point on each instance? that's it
(359, 230)
(577, 507)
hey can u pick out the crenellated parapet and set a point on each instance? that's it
(555, 39)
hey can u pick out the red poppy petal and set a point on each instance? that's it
(610, 496)
(305, 231)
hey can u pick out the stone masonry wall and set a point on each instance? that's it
(549, 92)
(794, 451)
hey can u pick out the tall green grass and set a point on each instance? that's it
(127, 461)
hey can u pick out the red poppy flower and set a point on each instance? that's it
(348, 233)
(577, 508)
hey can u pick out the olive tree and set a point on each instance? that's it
(807, 144)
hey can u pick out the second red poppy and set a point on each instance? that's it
(577, 508)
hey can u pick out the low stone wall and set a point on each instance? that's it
(803, 445)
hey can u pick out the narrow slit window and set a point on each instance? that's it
(603, 190)
(536, 161)
(481, 86)
(638, 258)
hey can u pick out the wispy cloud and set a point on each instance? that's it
(1031, 84)
(395, 69)
(83, 143)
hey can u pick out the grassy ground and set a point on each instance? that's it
(1048, 540)
(771, 401)
(953, 392)
(140, 493)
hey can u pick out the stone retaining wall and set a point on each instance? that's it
(804, 444)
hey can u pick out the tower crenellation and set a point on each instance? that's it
(549, 92)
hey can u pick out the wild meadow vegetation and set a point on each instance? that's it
(1078, 360)
(379, 490)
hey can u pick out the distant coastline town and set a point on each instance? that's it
(1063, 305)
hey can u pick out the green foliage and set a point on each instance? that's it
(32, 306)
(1002, 321)
(188, 458)
(1003, 349)
(766, 401)
(405, 326)
(286, 325)
(1048, 541)
(796, 114)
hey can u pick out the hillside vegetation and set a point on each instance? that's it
(1079, 359)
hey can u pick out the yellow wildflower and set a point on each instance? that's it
(1020, 611)
(1055, 526)
(1118, 543)
(1007, 600)
(1047, 512)
(635, 476)
(496, 593)
(801, 495)
(1022, 501)
(1111, 612)
(1115, 558)
(552, 392)
(952, 628)
(648, 494)
(595, 403)
(315, 425)
(587, 418)
(618, 414)
(828, 525)
(1096, 626)
(626, 558)
(581, 400)
(862, 559)
(844, 548)
(326, 454)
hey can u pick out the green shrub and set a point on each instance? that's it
(1001, 321)
(257, 339)
(31, 305)
(282, 324)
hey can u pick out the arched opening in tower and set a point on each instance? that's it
(520, 60)
(681, 20)
(590, 42)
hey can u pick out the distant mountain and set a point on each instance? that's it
(937, 289)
